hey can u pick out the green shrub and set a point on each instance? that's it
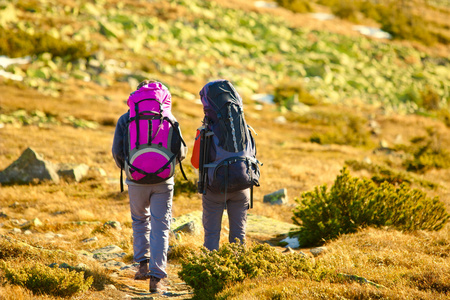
(41, 279)
(289, 94)
(354, 203)
(430, 99)
(298, 6)
(348, 130)
(394, 17)
(18, 43)
(426, 153)
(444, 116)
(347, 10)
(208, 272)
(385, 174)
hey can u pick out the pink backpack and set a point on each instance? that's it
(153, 140)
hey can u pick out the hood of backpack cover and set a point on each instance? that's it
(155, 90)
(215, 94)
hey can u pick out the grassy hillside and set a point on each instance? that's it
(381, 108)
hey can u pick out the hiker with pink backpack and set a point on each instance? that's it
(147, 145)
(225, 154)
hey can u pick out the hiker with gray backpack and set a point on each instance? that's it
(147, 145)
(225, 154)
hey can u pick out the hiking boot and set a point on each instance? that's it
(156, 285)
(142, 273)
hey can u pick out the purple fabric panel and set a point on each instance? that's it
(150, 162)
(154, 90)
(163, 134)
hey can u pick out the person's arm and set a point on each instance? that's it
(118, 142)
(183, 148)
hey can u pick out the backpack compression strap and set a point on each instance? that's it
(175, 126)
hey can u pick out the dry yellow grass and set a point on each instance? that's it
(390, 258)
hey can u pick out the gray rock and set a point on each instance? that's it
(112, 264)
(16, 230)
(189, 227)
(384, 144)
(289, 250)
(73, 172)
(20, 222)
(398, 139)
(108, 249)
(28, 168)
(65, 266)
(375, 127)
(99, 171)
(110, 287)
(49, 235)
(132, 267)
(302, 254)
(108, 256)
(35, 222)
(279, 197)
(113, 224)
(14, 205)
(317, 251)
(367, 160)
(81, 267)
(90, 240)
(280, 120)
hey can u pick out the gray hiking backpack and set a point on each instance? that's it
(227, 149)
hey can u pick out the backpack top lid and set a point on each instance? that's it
(215, 95)
(153, 90)
(224, 114)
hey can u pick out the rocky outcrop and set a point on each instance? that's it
(29, 168)
(279, 197)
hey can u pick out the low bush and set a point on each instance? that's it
(298, 6)
(208, 272)
(18, 43)
(430, 99)
(395, 18)
(444, 116)
(354, 203)
(385, 174)
(347, 130)
(426, 153)
(41, 279)
(289, 94)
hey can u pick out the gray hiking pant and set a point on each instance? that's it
(213, 206)
(151, 213)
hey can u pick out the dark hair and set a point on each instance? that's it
(145, 82)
